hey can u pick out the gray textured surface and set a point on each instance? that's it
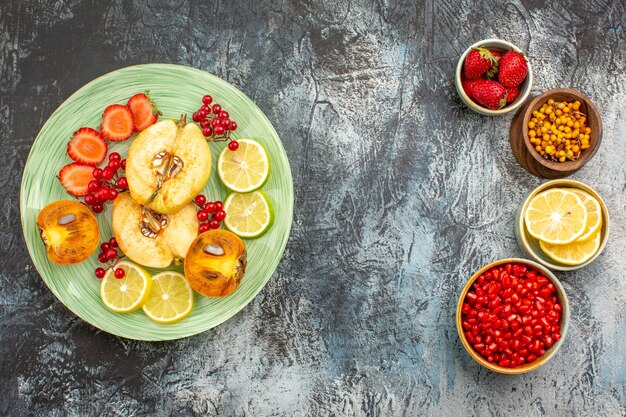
(401, 193)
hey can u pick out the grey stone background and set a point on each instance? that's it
(401, 194)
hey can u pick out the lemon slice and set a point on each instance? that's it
(248, 215)
(171, 298)
(129, 293)
(556, 216)
(594, 214)
(574, 253)
(245, 169)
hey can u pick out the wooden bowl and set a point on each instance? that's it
(530, 245)
(527, 367)
(524, 88)
(525, 152)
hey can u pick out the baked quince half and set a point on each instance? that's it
(153, 239)
(167, 165)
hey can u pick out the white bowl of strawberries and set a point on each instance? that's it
(493, 77)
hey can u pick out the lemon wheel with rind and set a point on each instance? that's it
(129, 293)
(246, 169)
(248, 215)
(556, 216)
(171, 299)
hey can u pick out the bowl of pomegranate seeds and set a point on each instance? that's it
(493, 77)
(512, 316)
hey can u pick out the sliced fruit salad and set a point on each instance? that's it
(159, 217)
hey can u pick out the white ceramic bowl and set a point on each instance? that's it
(530, 245)
(525, 87)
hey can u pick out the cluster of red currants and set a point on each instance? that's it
(109, 255)
(211, 213)
(106, 184)
(215, 122)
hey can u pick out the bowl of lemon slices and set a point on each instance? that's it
(563, 225)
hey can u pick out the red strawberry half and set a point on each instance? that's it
(117, 123)
(490, 94)
(511, 94)
(87, 146)
(145, 112)
(513, 69)
(75, 177)
(477, 62)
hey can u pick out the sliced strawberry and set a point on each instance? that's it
(145, 112)
(117, 123)
(75, 177)
(87, 146)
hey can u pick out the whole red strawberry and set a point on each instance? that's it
(468, 87)
(489, 94)
(513, 69)
(511, 94)
(477, 62)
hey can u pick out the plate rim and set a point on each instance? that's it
(246, 301)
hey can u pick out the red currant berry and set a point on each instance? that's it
(115, 157)
(203, 216)
(204, 227)
(210, 207)
(99, 272)
(105, 246)
(97, 173)
(206, 109)
(122, 183)
(219, 130)
(90, 199)
(108, 173)
(102, 257)
(111, 254)
(204, 123)
(200, 200)
(113, 242)
(217, 108)
(112, 194)
(120, 273)
(202, 114)
(124, 161)
(214, 224)
(223, 115)
(219, 215)
(97, 208)
(215, 122)
(115, 164)
(219, 205)
(94, 185)
(233, 145)
(207, 132)
(207, 99)
(196, 117)
(232, 125)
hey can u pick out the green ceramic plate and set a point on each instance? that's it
(176, 90)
